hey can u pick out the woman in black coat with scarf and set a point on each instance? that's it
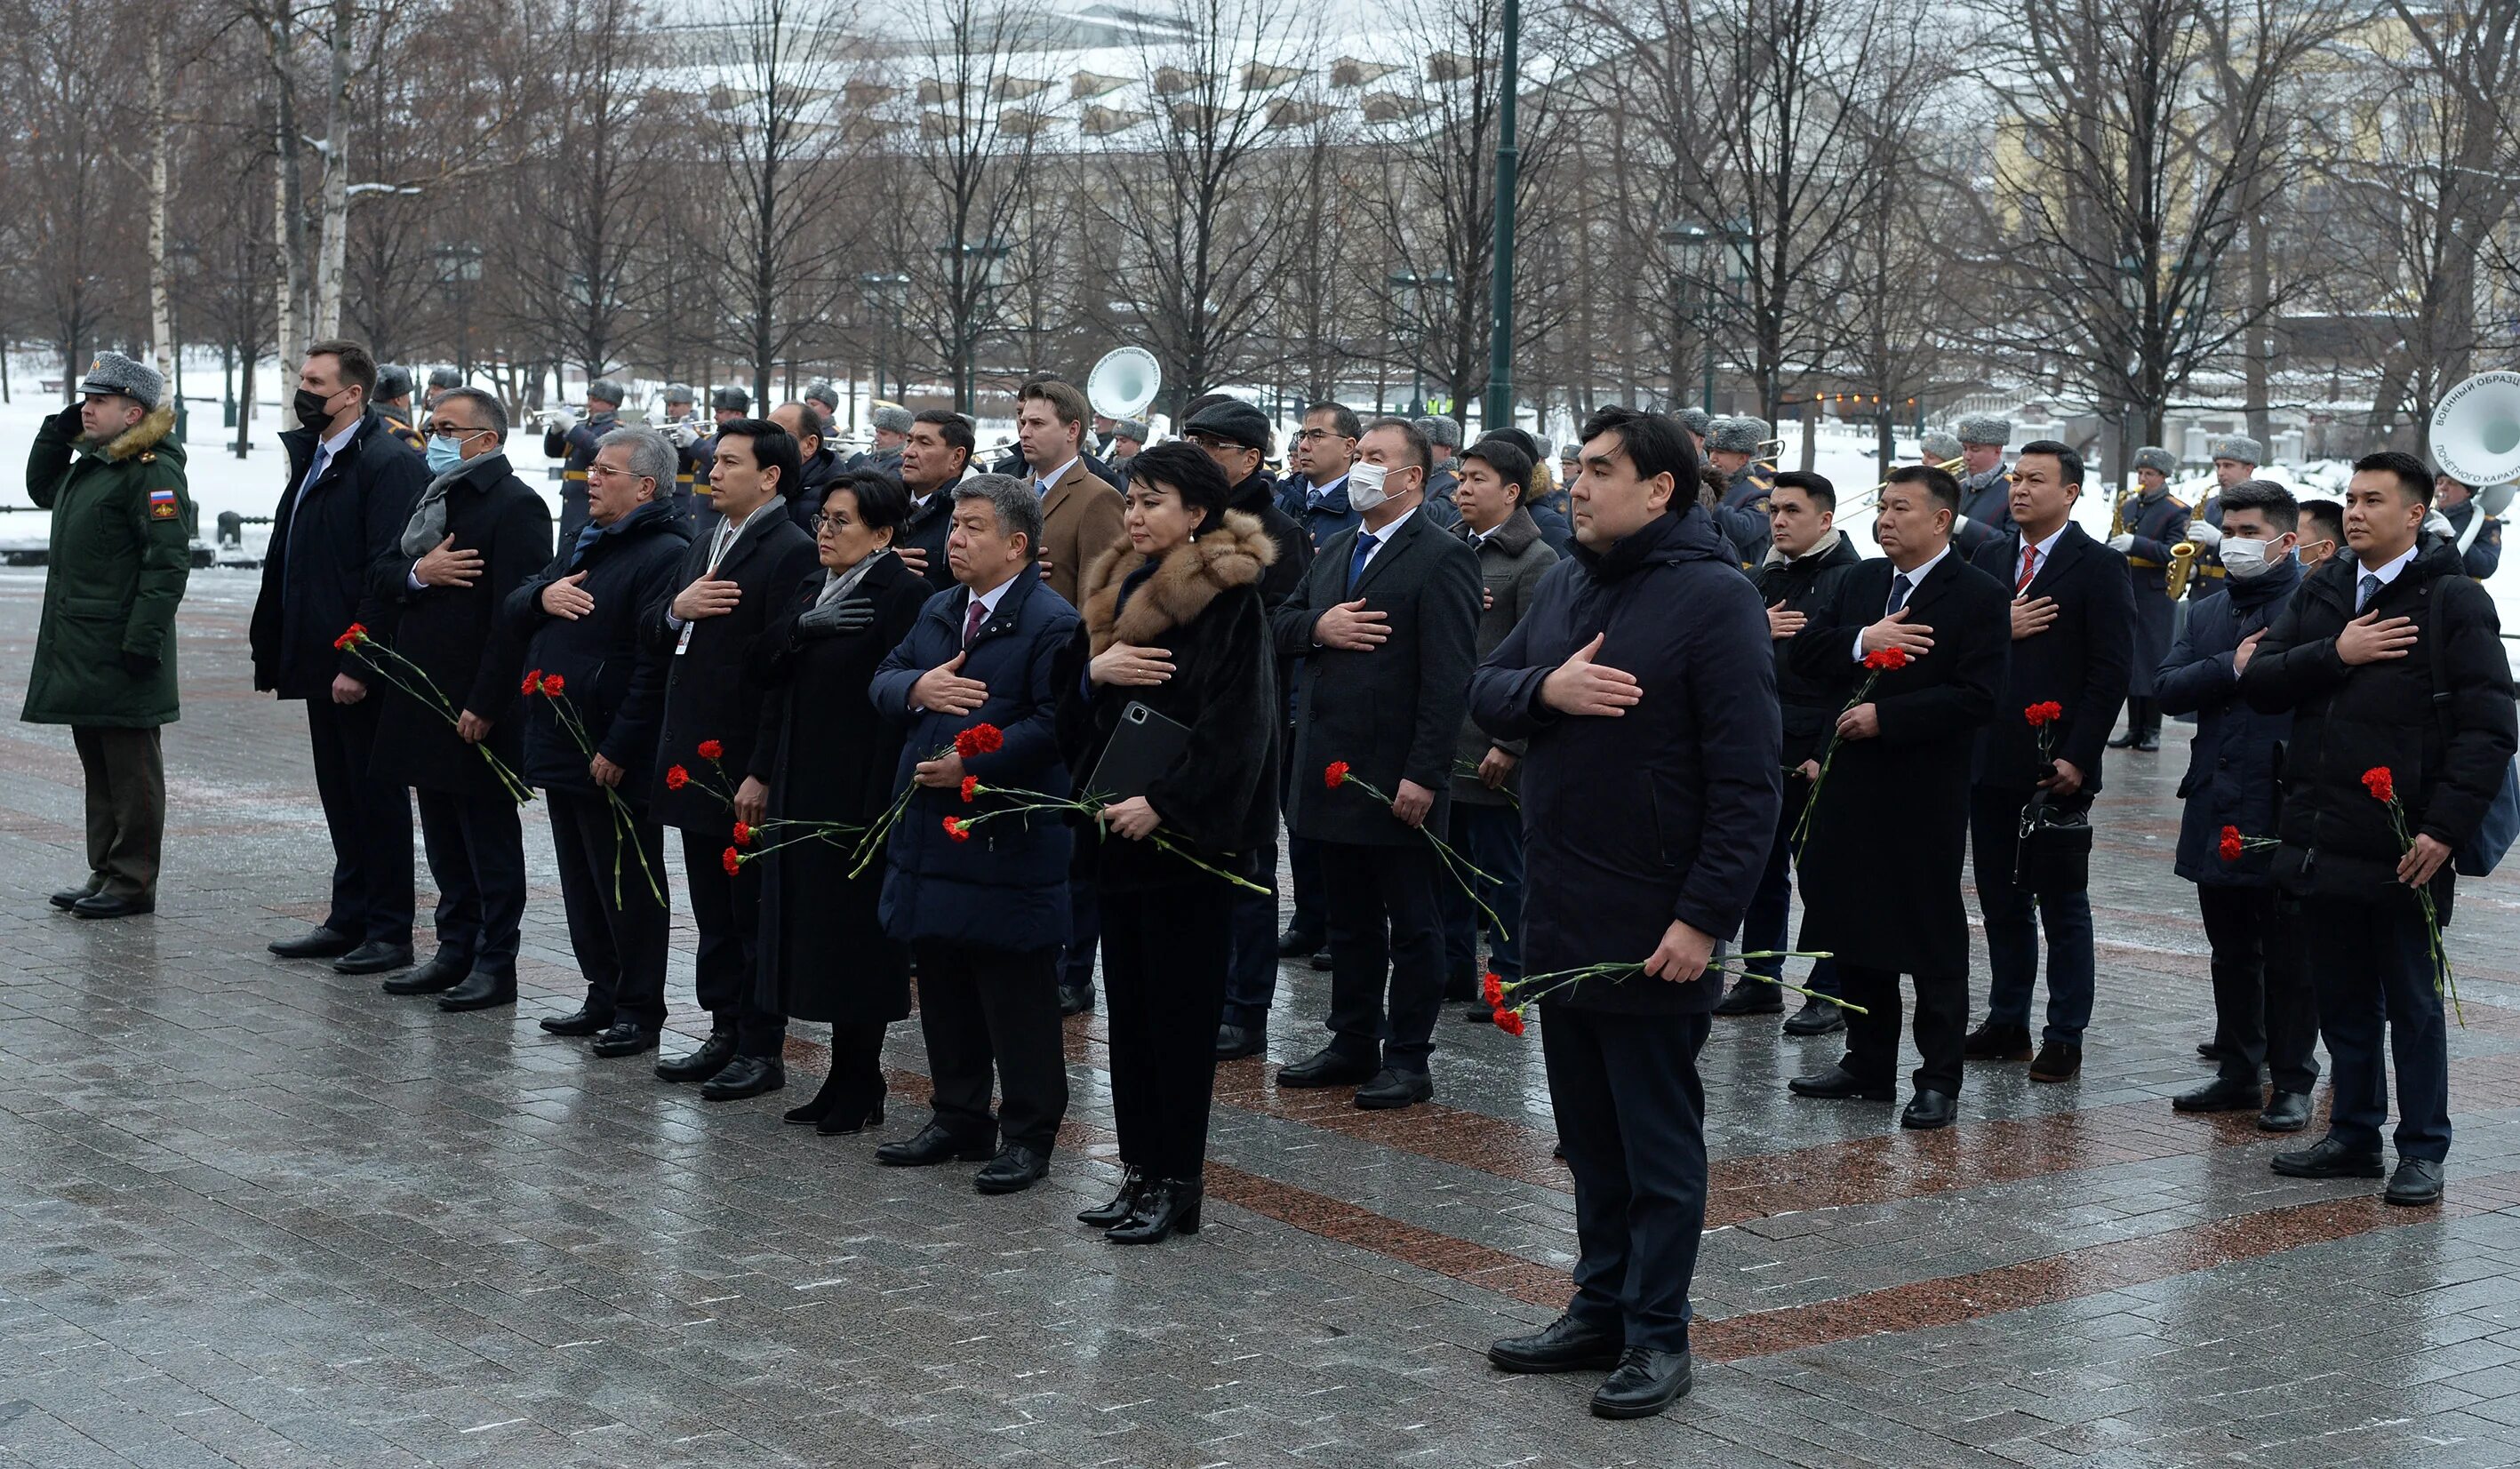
(1173, 621)
(825, 755)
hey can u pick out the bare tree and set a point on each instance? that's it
(73, 230)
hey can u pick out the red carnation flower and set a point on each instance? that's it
(1510, 1021)
(979, 739)
(553, 684)
(1884, 660)
(742, 835)
(971, 787)
(1336, 776)
(731, 861)
(958, 829)
(1492, 990)
(2231, 844)
(710, 749)
(534, 680)
(676, 778)
(2381, 785)
(354, 632)
(2045, 713)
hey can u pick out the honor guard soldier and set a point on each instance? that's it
(393, 405)
(726, 404)
(572, 441)
(439, 381)
(2236, 458)
(1732, 447)
(2149, 522)
(1695, 420)
(1939, 450)
(890, 425)
(2477, 535)
(824, 396)
(1986, 483)
(683, 429)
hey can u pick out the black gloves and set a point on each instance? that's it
(850, 614)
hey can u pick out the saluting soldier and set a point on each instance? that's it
(1986, 481)
(573, 441)
(2477, 535)
(2236, 458)
(1732, 447)
(2154, 520)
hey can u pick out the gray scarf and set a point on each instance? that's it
(836, 587)
(428, 523)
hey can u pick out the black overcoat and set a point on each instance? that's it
(710, 692)
(2082, 661)
(326, 540)
(612, 688)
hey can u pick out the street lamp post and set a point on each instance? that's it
(1686, 244)
(1409, 288)
(460, 266)
(989, 254)
(1499, 413)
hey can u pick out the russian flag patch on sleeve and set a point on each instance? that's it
(161, 504)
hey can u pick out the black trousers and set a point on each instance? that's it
(2372, 966)
(2264, 1011)
(1384, 922)
(1252, 980)
(370, 821)
(2144, 715)
(1632, 1115)
(995, 1009)
(1873, 1038)
(126, 807)
(620, 945)
(857, 1064)
(1164, 957)
(477, 852)
(727, 911)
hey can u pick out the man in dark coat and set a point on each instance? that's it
(579, 620)
(122, 523)
(1806, 558)
(1387, 623)
(2265, 1014)
(2073, 631)
(1986, 485)
(985, 912)
(476, 535)
(932, 461)
(1882, 858)
(350, 491)
(2155, 522)
(573, 441)
(735, 578)
(2391, 664)
(1236, 436)
(817, 462)
(1642, 675)
(1315, 498)
(1444, 435)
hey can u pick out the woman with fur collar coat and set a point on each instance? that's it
(1173, 621)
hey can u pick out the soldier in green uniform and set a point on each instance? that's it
(2153, 522)
(105, 652)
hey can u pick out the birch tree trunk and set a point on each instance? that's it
(332, 242)
(288, 221)
(161, 304)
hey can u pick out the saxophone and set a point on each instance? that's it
(2182, 564)
(2117, 514)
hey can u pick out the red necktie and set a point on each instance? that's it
(2029, 568)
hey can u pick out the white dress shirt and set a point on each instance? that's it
(1915, 579)
(2386, 574)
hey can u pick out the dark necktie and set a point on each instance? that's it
(2371, 589)
(971, 623)
(1365, 544)
(1900, 587)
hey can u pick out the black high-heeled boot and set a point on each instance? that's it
(834, 1086)
(857, 1072)
(1168, 1205)
(854, 1114)
(1103, 1216)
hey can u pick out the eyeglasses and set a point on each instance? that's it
(1308, 435)
(454, 431)
(819, 521)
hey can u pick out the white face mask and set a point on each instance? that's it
(1364, 488)
(2245, 559)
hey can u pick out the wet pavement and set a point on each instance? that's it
(253, 1212)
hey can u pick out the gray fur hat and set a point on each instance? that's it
(891, 417)
(1940, 445)
(2154, 457)
(1570, 452)
(819, 390)
(679, 392)
(1133, 430)
(1695, 419)
(113, 372)
(730, 400)
(1737, 436)
(2240, 446)
(445, 377)
(607, 389)
(392, 382)
(1982, 428)
(1441, 431)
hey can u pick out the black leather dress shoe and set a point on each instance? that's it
(1837, 1083)
(2059, 1061)
(1928, 1110)
(1234, 1041)
(1167, 1207)
(2221, 1094)
(1991, 1041)
(1321, 961)
(1392, 1088)
(1103, 1216)
(109, 906)
(2124, 741)
(316, 943)
(440, 974)
(1294, 942)
(582, 1021)
(1075, 999)
(2150, 744)
(2286, 1112)
(1816, 1017)
(1751, 997)
(623, 1038)
(2328, 1158)
(2418, 1180)
(743, 1077)
(2208, 1050)
(1328, 1067)
(481, 991)
(705, 1060)
(373, 957)
(69, 897)
(1645, 1383)
(935, 1144)
(1012, 1170)
(1564, 1345)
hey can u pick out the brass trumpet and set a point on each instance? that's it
(2182, 564)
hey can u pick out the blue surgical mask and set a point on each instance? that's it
(444, 453)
